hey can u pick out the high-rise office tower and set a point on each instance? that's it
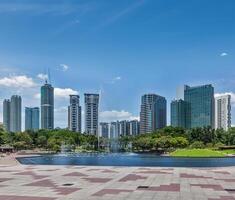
(74, 114)
(223, 112)
(15, 114)
(114, 130)
(134, 127)
(104, 129)
(47, 106)
(32, 118)
(178, 113)
(91, 113)
(200, 106)
(6, 114)
(153, 113)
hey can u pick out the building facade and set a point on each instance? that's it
(200, 106)
(15, 113)
(153, 113)
(178, 113)
(124, 128)
(134, 127)
(104, 129)
(32, 118)
(91, 114)
(75, 114)
(6, 114)
(223, 112)
(114, 130)
(47, 106)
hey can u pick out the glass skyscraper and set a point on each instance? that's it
(32, 118)
(153, 113)
(178, 113)
(47, 106)
(200, 106)
(6, 114)
(15, 114)
(91, 114)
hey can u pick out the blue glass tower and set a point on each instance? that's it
(32, 118)
(200, 106)
(47, 106)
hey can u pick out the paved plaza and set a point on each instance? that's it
(42, 182)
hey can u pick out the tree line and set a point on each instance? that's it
(164, 139)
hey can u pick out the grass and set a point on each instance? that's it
(228, 151)
(198, 153)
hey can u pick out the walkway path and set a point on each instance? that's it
(19, 182)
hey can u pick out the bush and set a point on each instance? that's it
(197, 145)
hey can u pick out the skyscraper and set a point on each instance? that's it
(223, 112)
(15, 114)
(47, 106)
(32, 118)
(134, 127)
(178, 113)
(200, 106)
(104, 129)
(74, 114)
(6, 114)
(153, 113)
(91, 113)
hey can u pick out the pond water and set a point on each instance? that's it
(125, 159)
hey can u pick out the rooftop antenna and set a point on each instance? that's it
(49, 75)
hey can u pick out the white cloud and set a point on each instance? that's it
(64, 67)
(37, 96)
(21, 81)
(61, 109)
(228, 93)
(64, 92)
(118, 78)
(42, 76)
(223, 54)
(60, 93)
(114, 115)
(115, 79)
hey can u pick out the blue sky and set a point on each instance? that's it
(122, 48)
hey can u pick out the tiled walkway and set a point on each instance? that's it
(108, 183)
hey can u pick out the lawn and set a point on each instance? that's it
(228, 151)
(198, 153)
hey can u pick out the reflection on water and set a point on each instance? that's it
(125, 159)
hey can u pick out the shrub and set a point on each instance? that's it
(197, 145)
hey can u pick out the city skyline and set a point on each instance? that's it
(134, 47)
(194, 106)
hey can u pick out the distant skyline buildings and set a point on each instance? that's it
(200, 106)
(104, 129)
(47, 106)
(75, 114)
(91, 113)
(12, 114)
(223, 112)
(6, 114)
(116, 129)
(15, 113)
(178, 113)
(32, 118)
(198, 109)
(153, 113)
